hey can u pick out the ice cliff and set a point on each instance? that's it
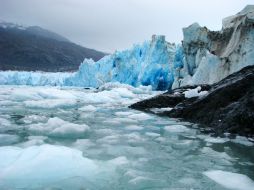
(205, 57)
(212, 55)
(151, 63)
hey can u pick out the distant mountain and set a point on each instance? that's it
(36, 49)
(38, 31)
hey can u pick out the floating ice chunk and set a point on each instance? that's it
(184, 144)
(123, 113)
(134, 137)
(6, 139)
(124, 92)
(58, 127)
(134, 128)
(37, 138)
(33, 141)
(145, 182)
(4, 122)
(89, 108)
(172, 121)
(105, 132)
(188, 181)
(72, 130)
(194, 92)
(125, 120)
(219, 157)
(4, 103)
(110, 139)
(124, 150)
(243, 141)
(161, 139)
(112, 122)
(56, 93)
(8, 154)
(33, 118)
(139, 179)
(122, 160)
(50, 103)
(231, 180)
(37, 93)
(140, 116)
(132, 173)
(83, 144)
(6, 125)
(160, 110)
(112, 85)
(176, 128)
(151, 134)
(213, 139)
(216, 140)
(38, 166)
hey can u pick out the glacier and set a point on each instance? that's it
(204, 57)
(151, 63)
(211, 56)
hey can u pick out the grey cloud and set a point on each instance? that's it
(108, 25)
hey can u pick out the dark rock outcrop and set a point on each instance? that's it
(227, 107)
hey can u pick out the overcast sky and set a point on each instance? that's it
(108, 25)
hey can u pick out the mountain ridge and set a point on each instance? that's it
(36, 49)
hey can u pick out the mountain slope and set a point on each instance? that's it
(34, 48)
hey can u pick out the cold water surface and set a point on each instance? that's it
(74, 138)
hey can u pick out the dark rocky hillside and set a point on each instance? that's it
(37, 49)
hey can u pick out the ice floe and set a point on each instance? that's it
(231, 180)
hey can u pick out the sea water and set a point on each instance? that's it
(76, 138)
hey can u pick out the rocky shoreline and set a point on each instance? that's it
(224, 107)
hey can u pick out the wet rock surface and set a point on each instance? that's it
(227, 107)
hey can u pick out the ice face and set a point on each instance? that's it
(97, 142)
(210, 56)
(151, 63)
(148, 64)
